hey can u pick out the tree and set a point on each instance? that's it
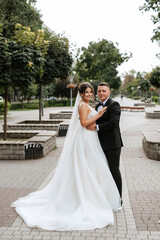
(155, 79)
(51, 57)
(26, 38)
(61, 89)
(19, 11)
(155, 6)
(144, 85)
(128, 78)
(15, 68)
(99, 62)
(58, 60)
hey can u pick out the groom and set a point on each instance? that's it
(109, 132)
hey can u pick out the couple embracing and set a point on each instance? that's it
(86, 188)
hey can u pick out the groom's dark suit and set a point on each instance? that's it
(110, 138)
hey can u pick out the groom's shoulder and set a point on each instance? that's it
(113, 102)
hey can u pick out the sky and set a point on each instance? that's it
(119, 21)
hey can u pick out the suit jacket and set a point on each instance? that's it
(109, 130)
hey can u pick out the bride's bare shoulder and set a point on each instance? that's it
(83, 106)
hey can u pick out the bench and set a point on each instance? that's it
(132, 109)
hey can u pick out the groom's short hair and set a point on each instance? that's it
(104, 84)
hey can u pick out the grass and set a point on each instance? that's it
(55, 148)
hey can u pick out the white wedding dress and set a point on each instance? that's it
(82, 194)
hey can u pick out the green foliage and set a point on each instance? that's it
(58, 103)
(31, 105)
(16, 68)
(37, 44)
(155, 99)
(154, 6)
(145, 85)
(99, 62)
(5, 61)
(61, 89)
(19, 11)
(58, 60)
(2, 107)
(22, 73)
(155, 77)
(35, 105)
(30, 91)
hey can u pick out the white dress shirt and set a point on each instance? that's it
(98, 109)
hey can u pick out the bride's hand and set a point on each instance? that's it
(102, 111)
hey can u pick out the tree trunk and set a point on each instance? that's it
(5, 114)
(40, 103)
(22, 102)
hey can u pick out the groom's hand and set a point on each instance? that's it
(91, 127)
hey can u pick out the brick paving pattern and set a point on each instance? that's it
(141, 189)
(9, 195)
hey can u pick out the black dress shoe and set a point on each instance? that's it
(120, 208)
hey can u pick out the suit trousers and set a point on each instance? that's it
(113, 158)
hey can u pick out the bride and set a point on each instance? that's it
(82, 194)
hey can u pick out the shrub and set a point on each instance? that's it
(62, 102)
(30, 105)
(35, 105)
(155, 99)
(15, 106)
(2, 105)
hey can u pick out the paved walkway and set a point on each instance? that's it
(139, 218)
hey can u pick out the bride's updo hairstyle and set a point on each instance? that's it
(83, 86)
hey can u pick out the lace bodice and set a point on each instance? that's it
(92, 114)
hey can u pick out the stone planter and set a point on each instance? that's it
(44, 141)
(151, 144)
(152, 113)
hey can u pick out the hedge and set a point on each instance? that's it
(2, 105)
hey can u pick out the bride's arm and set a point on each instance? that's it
(83, 113)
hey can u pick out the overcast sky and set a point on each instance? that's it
(115, 20)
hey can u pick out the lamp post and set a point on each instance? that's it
(152, 89)
(132, 88)
(138, 87)
(42, 103)
(71, 86)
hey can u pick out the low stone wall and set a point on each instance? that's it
(61, 115)
(151, 144)
(33, 126)
(132, 109)
(17, 126)
(15, 150)
(152, 113)
(21, 133)
(46, 121)
(145, 104)
(10, 150)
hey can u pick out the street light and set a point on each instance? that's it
(152, 89)
(71, 86)
(138, 87)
